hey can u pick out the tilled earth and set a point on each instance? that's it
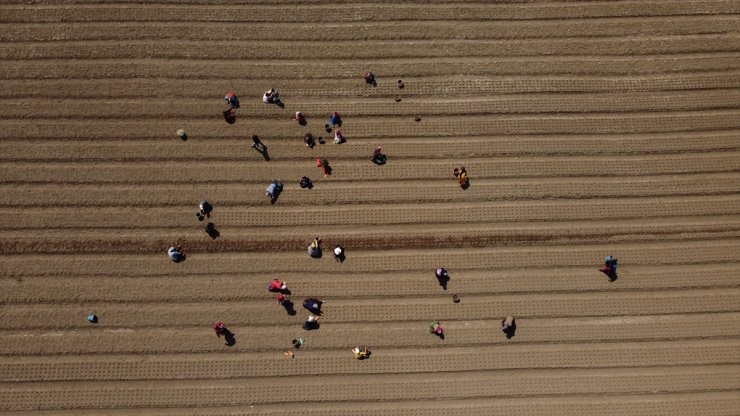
(587, 129)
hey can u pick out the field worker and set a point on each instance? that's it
(338, 137)
(176, 254)
(462, 175)
(339, 253)
(274, 190)
(314, 306)
(232, 99)
(507, 323)
(281, 299)
(335, 119)
(361, 352)
(204, 210)
(309, 140)
(323, 164)
(442, 277)
(300, 118)
(277, 286)
(314, 249)
(378, 156)
(220, 329)
(369, 78)
(436, 329)
(271, 97)
(610, 269)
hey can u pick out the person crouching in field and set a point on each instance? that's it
(314, 249)
(378, 156)
(610, 268)
(436, 329)
(462, 176)
(176, 254)
(271, 97)
(277, 286)
(232, 100)
(361, 352)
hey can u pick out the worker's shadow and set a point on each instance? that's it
(229, 338)
(229, 117)
(263, 151)
(212, 231)
(288, 305)
(311, 326)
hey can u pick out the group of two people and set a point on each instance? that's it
(314, 250)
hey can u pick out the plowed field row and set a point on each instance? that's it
(359, 311)
(316, 389)
(247, 286)
(394, 261)
(379, 237)
(395, 68)
(339, 31)
(662, 404)
(398, 127)
(132, 150)
(352, 86)
(290, 50)
(490, 168)
(525, 104)
(497, 353)
(361, 12)
(178, 197)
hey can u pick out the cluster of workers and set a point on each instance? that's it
(313, 305)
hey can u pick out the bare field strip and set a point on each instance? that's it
(447, 86)
(395, 261)
(294, 50)
(524, 104)
(284, 148)
(247, 286)
(333, 31)
(114, 356)
(664, 404)
(587, 128)
(112, 199)
(363, 12)
(523, 383)
(239, 172)
(396, 126)
(404, 68)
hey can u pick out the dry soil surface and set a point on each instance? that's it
(587, 128)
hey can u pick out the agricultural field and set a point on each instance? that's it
(587, 129)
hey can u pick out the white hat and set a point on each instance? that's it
(338, 251)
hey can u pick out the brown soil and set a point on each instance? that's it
(586, 128)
